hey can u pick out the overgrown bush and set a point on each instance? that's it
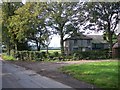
(8, 57)
(94, 54)
(75, 56)
(31, 55)
(56, 54)
(41, 56)
(36, 56)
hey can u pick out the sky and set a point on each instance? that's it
(55, 42)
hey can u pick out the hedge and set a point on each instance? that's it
(36, 55)
(41, 56)
(93, 54)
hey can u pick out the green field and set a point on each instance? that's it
(51, 51)
(100, 74)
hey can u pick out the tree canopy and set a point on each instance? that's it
(8, 9)
(62, 17)
(103, 16)
(36, 22)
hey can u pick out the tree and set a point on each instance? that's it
(60, 15)
(48, 39)
(103, 16)
(28, 23)
(8, 9)
(18, 25)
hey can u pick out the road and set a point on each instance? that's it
(14, 76)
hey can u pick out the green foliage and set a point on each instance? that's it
(56, 54)
(102, 74)
(104, 16)
(8, 9)
(42, 56)
(22, 24)
(36, 22)
(75, 56)
(60, 14)
(31, 55)
(8, 57)
(37, 56)
(93, 54)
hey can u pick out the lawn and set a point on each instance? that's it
(51, 51)
(100, 74)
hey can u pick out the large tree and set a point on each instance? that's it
(28, 23)
(103, 16)
(61, 15)
(8, 9)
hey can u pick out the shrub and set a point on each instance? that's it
(94, 54)
(43, 55)
(75, 56)
(50, 57)
(69, 58)
(60, 58)
(56, 54)
(8, 57)
(30, 55)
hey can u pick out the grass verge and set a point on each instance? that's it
(51, 51)
(100, 74)
(8, 57)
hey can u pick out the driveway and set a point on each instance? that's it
(14, 76)
(51, 70)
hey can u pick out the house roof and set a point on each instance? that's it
(97, 39)
(79, 37)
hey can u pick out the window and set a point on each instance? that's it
(75, 42)
(82, 43)
(75, 48)
(88, 42)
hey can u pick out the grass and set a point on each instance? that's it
(100, 74)
(7, 57)
(52, 51)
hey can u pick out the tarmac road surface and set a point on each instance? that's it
(14, 76)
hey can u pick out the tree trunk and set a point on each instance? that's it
(110, 34)
(110, 41)
(47, 49)
(15, 49)
(38, 49)
(62, 44)
(8, 49)
(38, 46)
